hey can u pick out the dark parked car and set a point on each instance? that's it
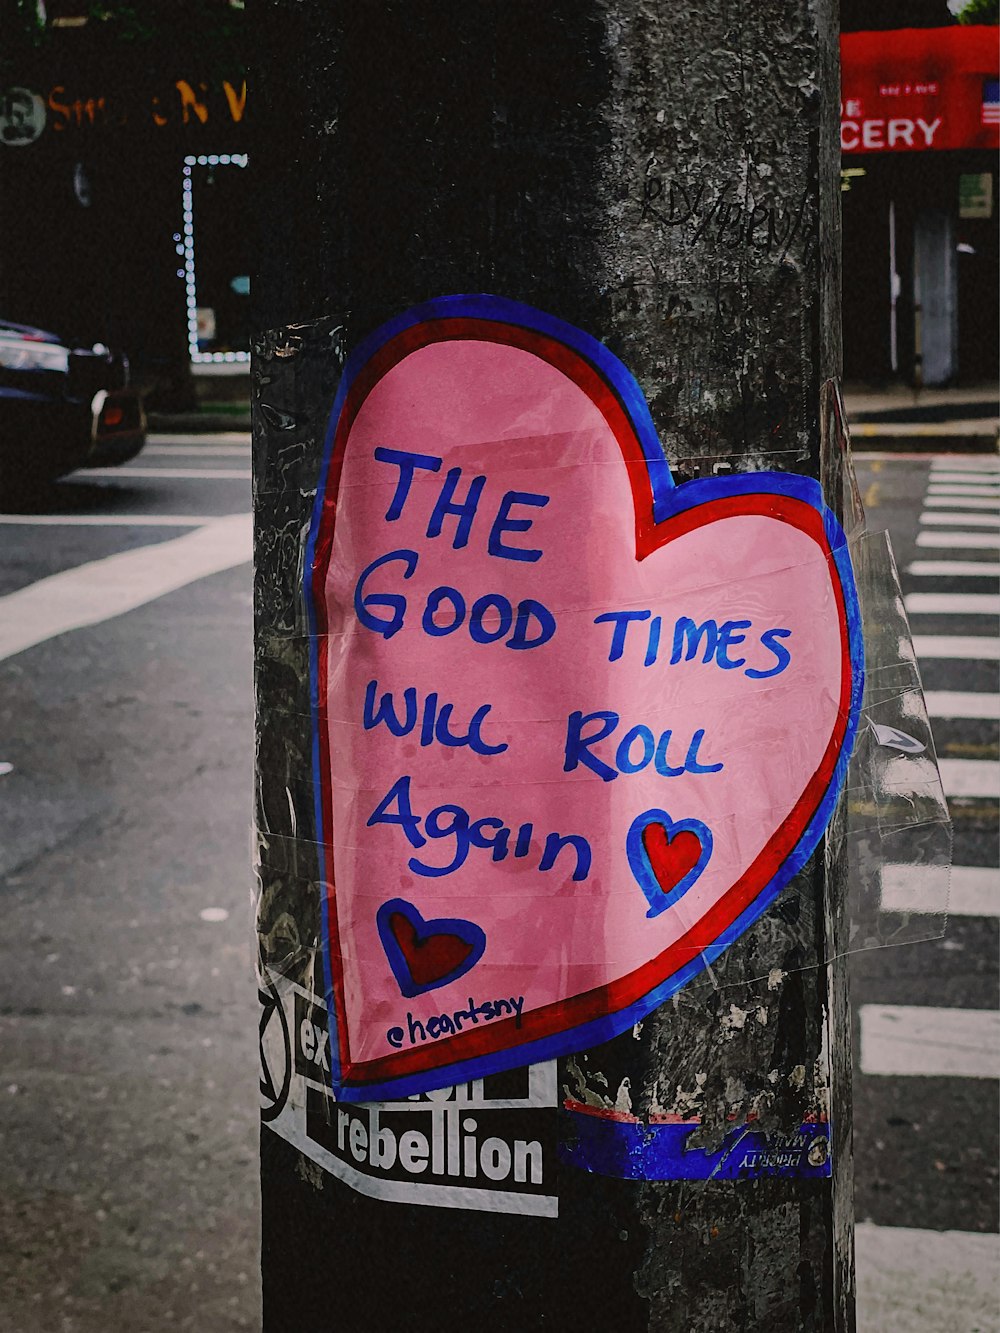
(62, 407)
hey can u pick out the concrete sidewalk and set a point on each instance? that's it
(208, 420)
(223, 404)
(901, 419)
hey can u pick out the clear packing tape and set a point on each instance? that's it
(894, 829)
(891, 826)
(896, 833)
(883, 864)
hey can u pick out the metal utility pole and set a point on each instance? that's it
(665, 178)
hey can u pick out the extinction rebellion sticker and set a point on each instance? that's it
(488, 1144)
(576, 726)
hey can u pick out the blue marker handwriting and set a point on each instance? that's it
(636, 750)
(434, 724)
(443, 1025)
(464, 512)
(489, 619)
(718, 643)
(451, 507)
(488, 834)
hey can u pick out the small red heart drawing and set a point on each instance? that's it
(426, 954)
(666, 856)
(671, 858)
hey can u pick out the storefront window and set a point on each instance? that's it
(215, 250)
(975, 194)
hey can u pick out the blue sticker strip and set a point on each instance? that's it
(631, 1150)
(668, 500)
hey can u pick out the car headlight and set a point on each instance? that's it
(18, 354)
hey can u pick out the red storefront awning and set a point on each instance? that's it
(914, 89)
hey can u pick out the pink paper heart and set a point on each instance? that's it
(540, 667)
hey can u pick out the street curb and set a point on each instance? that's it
(871, 441)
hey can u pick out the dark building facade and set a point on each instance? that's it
(920, 130)
(123, 200)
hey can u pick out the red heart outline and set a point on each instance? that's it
(535, 1035)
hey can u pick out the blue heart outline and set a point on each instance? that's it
(638, 859)
(467, 931)
(668, 500)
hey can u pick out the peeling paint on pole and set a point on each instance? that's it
(668, 183)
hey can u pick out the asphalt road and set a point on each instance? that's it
(128, 1009)
(128, 1087)
(926, 1146)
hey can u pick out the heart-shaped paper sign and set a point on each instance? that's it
(575, 726)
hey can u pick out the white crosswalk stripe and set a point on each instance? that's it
(965, 463)
(173, 473)
(939, 477)
(206, 440)
(962, 703)
(971, 541)
(951, 519)
(91, 593)
(969, 778)
(954, 569)
(195, 450)
(961, 647)
(932, 890)
(925, 1041)
(974, 890)
(983, 489)
(953, 499)
(953, 603)
(974, 480)
(107, 520)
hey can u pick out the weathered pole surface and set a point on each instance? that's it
(664, 177)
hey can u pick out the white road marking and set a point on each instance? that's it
(173, 473)
(927, 890)
(935, 500)
(957, 703)
(979, 541)
(106, 588)
(923, 1041)
(970, 777)
(965, 463)
(972, 480)
(213, 437)
(109, 520)
(197, 450)
(952, 603)
(954, 569)
(964, 647)
(951, 519)
(926, 1281)
(984, 490)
